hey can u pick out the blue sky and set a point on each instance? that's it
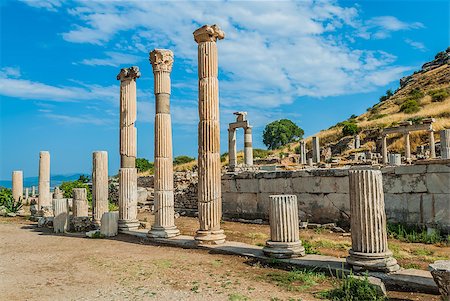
(315, 62)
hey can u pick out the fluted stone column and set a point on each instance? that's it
(248, 147)
(368, 223)
(284, 234)
(45, 198)
(209, 165)
(407, 148)
(80, 207)
(27, 194)
(33, 191)
(303, 152)
(100, 187)
(384, 149)
(357, 141)
(432, 145)
(128, 136)
(232, 157)
(445, 144)
(17, 185)
(164, 225)
(315, 149)
(61, 213)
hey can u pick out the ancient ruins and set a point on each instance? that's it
(241, 122)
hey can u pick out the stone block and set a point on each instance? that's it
(442, 210)
(109, 224)
(432, 168)
(396, 206)
(242, 204)
(248, 185)
(404, 183)
(276, 185)
(438, 182)
(410, 169)
(61, 212)
(320, 184)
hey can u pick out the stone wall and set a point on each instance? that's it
(416, 194)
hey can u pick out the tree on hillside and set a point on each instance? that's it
(182, 159)
(350, 128)
(143, 164)
(281, 132)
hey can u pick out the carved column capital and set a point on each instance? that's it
(161, 60)
(208, 33)
(130, 73)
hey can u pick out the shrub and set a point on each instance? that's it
(84, 179)
(182, 159)
(68, 186)
(410, 106)
(415, 120)
(260, 153)
(439, 95)
(223, 157)
(5, 194)
(355, 289)
(281, 132)
(377, 116)
(350, 128)
(7, 200)
(416, 94)
(143, 164)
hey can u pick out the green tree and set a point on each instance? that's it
(281, 132)
(182, 159)
(350, 128)
(84, 179)
(410, 106)
(143, 164)
(68, 186)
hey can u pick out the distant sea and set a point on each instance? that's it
(55, 180)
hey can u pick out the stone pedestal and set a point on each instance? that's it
(17, 185)
(61, 213)
(58, 194)
(445, 144)
(395, 159)
(368, 223)
(45, 198)
(128, 172)
(315, 149)
(284, 228)
(432, 146)
(248, 148)
(128, 199)
(164, 225)
(440, 270)
(109, 224)
(209, 165)
(100, 187)
(80, 207)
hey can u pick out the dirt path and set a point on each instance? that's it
(39, 265)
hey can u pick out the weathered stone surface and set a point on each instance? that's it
(45, 199)
(368, 223)
(17, 185)
(440, 270)
(284, 228)
(128, 199)
(405, 183)
(438, 182)
(61, 213)
(109, 224)
(81, 224)
(410, 169)
(445, 144)
(100, 188)
(80, 207)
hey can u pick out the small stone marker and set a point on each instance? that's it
(61, 212)
(284, 228)
(109, 224)
(440, 270)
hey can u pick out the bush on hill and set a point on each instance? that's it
(350, 128)
(182, 159)
(143, 164)
(439, 95)
(410, 106)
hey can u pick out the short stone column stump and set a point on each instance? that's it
(61, 212)
(368, 223)
(109, 225)
(440, 270)
(284, 228)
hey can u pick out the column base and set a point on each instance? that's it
(381, 262)
(205, 237)
(163, 232)
(280, 250)
(128, 225)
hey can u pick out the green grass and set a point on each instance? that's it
(237, 297)
(415, 234)
(309, 248)
(411, 266)
(439, 95)
(353, 289)
(296, 280)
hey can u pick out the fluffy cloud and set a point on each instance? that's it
(112, 59)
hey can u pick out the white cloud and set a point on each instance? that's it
(381, 27)
(113, 59)
(13, 72)
(50, 5)
(416, 45)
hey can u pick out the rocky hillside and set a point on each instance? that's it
(424, 94)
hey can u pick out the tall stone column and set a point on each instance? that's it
(17, 185)
(432, 146)
(284, 234)
(445, 144)
(232, 157)
(315, 149)
(128, 136)
(209, 165)
(384, 149)
(357, 141)
(407, 148)
(248, 147)
(303, 152)
(100, 187)
(45, 198)
(368, 223)
(164, 225)
(27, 194)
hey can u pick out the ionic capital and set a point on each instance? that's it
(208, 33)
(161, 60)
(129, 73)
